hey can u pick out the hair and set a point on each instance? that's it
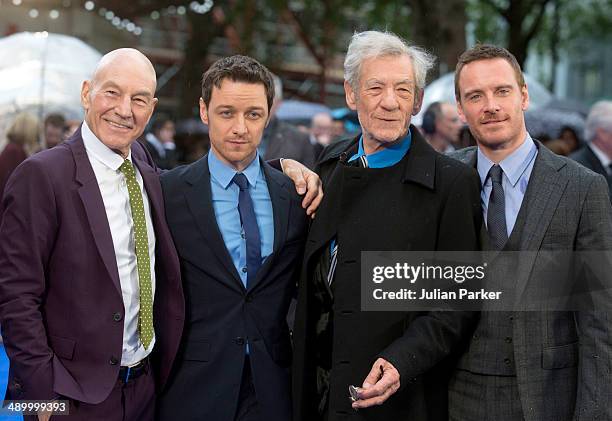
(370, 44)
(600, 117)
(237, 68)
(25, 131)
(56, 120)
(431, 115)
(487, 52)
(159, 122)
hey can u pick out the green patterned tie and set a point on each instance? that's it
(145, 316)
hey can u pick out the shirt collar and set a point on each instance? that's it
(603, 158)
(224, 174)
(514, 165)
(100, 151)
(386, 157)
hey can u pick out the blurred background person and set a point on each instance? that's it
(55, 124)
(596, 155)
(321, 131)
(441, 126)
(70, 128)
(23, 141)
(282, 140)
(160, 142)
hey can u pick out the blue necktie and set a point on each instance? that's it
(496, 211)
(249, 226)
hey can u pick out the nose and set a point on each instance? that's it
(491, 105)
(123, 107)
(239, 128)
(389, 99)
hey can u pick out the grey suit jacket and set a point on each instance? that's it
(587, 157)
(563, 359)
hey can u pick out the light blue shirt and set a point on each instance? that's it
(225, 203)
(386, 157)
(517, 169)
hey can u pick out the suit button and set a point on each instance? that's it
(117, 317)
(507, 361)
(239, 340)
(244, 270)
(249, 298)
(476, 336)
(113, 361)
(508, 340)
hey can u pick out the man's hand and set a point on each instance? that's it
(306, 181)
(44, 415)
(382, 382)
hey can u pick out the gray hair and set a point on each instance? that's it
(369, 44)
(600, 117)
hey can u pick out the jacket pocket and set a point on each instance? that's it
(62, 347)
(196, 351)
(560, 356)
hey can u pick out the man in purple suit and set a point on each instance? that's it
(91, 304)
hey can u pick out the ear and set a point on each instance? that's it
(85, 91)
(203, 112)
(418, 101)
(524, 97)
(350, 96)
(460, 112)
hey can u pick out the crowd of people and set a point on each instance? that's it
(137, 290)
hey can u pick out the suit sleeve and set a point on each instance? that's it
(434, 335)
(27, 236)
(594, 394)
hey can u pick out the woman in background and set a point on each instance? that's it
(23, 141)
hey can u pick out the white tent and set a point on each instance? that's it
(42, 73)
(443, 89)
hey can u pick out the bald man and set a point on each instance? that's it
(91, 305)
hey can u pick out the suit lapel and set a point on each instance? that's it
(198, 196)
(544, 191)
(90, 195)
(150, 180)
(280, 210)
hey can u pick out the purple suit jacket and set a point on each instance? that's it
(61, 308)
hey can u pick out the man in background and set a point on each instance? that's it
(441, 126)
(160, 142)
(54, 127)
(282, 140)
(596, 155)
(321, 131)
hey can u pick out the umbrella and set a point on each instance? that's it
(42, 73)
(549, 121)
(443, 89)
(300, 111)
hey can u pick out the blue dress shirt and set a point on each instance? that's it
(517, 169)
(386, 157)
(225, 203)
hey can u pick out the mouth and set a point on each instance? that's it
(119, 126)
(491, 122)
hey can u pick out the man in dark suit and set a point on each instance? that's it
(520, 365)
(239, 231)
(91, 302)
(386, 189)
(596, 155)
(282, 140)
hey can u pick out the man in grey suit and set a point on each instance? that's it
(531, 366)
(596, 155)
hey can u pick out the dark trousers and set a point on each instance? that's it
(131, 401)
(248, 407)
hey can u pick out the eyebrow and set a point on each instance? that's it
(231, 107)
(496, 88)
(400, 82)
(111, 84)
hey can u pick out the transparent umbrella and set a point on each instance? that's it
(43, 73)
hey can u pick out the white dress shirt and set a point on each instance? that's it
(111, 181)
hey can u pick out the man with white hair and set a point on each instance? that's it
(386, 189)
(596, 155)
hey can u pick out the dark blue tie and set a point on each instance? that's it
(249, 226)
(496, 210)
